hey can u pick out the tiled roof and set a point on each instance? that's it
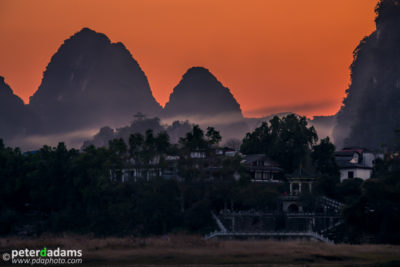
(301, 173)
(257, 157)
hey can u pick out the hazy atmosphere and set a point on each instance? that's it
(200, 133)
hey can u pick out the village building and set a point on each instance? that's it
(206, 161)
(227, 152)
(262, 169)
(355, 162)
(300, 182)
(165, 166)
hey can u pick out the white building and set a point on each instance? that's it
(355, 162)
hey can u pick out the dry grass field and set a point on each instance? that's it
(184, 250)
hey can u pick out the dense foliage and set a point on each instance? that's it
(374, 214)
(287, 140)
(56, 189)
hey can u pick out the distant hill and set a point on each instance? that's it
(371, 111)
(199, 93)
(91, 82)
(201, 98)
(14, 117)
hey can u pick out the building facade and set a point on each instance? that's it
(355, 162)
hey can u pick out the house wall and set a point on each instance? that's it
(263, 176)
(358, 173)
(368, 159)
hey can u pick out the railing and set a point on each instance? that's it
(271, 214)
(332, 227)
(245, 213)
(269, 234)
(332, 203)
(266, 181)
(219, 223)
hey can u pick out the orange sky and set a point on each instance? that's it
(274, 55)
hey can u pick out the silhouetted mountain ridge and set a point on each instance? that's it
(371, 111)
(14, 116)
(199, 93)
(90, 82)
(201, 98)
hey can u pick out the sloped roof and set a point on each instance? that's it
(257, 157)
(300, 173)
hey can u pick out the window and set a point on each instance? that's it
(197, 155)
(350, 174)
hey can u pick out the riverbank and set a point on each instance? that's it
(188, 250)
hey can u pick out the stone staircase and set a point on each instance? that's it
(331, 204)
(332, 211)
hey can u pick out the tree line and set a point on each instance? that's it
(56, 189)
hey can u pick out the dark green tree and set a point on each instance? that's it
(323, 156)
(194, 140)
(288, 141)
(213, 136)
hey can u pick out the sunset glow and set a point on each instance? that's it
(273, 55)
